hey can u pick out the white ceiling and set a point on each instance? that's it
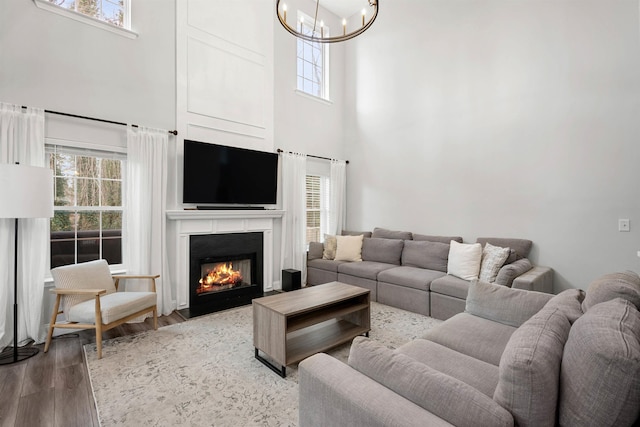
(345, 8)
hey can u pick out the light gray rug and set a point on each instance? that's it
(203, 372)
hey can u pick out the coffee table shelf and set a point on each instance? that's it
(307, 319)
(292, 326)
(320, 337)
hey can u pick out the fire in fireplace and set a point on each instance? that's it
(225, 270)
(219, 276)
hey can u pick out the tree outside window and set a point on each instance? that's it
(87, 221)
(112, 11)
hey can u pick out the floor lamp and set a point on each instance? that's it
(25, 192)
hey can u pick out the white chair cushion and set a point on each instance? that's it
(114, 306)
(86, 275)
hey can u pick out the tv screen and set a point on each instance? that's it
(218, 174)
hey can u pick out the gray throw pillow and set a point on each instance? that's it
(615, 285)
(529, 369)
(387, 251)
(442, 395)
(424, 254)
(600, 373)
(504, 305)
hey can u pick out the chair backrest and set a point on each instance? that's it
(86, 275)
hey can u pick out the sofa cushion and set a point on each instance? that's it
(521, 246)
(569, 302)
(324, 264)
(330, 246)
(425, 254)
(510, 271)
(315, 250)
(411, 277)
(478, 374)
(364, 269)
(600, 372)
(349, 248)
(616, 285)
(436, 392)
(508, 306)
(474, 336)
(530, 369)
(439, 239)
(451, 286)
(464, 260)
(355, 233)
(382, 250)
(383, 233)
(493, 258)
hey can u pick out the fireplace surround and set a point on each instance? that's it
(185, 223)
(211, 252)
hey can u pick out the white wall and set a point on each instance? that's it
(302, 123)
(53, 62)
(501, 118)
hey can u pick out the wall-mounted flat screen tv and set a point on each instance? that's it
(217, 174)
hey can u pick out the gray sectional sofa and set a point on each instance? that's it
(409, 271)
(512, 358)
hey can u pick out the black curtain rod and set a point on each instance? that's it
(310, 155)
(174, 132)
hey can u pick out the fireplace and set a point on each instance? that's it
(225, 271)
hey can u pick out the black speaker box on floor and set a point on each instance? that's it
(291, 280)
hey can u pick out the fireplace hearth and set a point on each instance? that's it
(225, 271)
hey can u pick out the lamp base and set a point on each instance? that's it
(9, 355)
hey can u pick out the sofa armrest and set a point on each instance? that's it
(537, 279)
(315, 250)
(509, 272)
(331, 393)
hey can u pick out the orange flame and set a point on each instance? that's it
(223, 276)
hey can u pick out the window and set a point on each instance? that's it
(312, 60)
(317, 193)
(114, 12)
(87, 220)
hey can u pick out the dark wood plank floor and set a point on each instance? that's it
(53, 389)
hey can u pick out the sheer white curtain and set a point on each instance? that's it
(294, 172)
(22, 140)
(338, 201)
(145, 249)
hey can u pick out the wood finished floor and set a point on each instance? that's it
(53, 389)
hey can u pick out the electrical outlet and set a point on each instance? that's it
(623, 225)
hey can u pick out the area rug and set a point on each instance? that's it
(202, 372)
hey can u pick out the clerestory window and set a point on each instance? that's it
(312, 59)
(115, 12)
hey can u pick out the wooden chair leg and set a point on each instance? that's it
(98, 327)
(99, 340)
(155, 318)
(54, 316)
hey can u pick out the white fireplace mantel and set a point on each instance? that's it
(184, 223)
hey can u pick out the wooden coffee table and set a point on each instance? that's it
(292, 326)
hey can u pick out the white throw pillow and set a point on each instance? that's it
(349, 248)
(493, 258)
(464, 260)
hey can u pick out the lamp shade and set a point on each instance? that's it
(25, 191)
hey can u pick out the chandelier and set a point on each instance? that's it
(315, 31)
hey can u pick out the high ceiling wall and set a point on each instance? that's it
(501, 118)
